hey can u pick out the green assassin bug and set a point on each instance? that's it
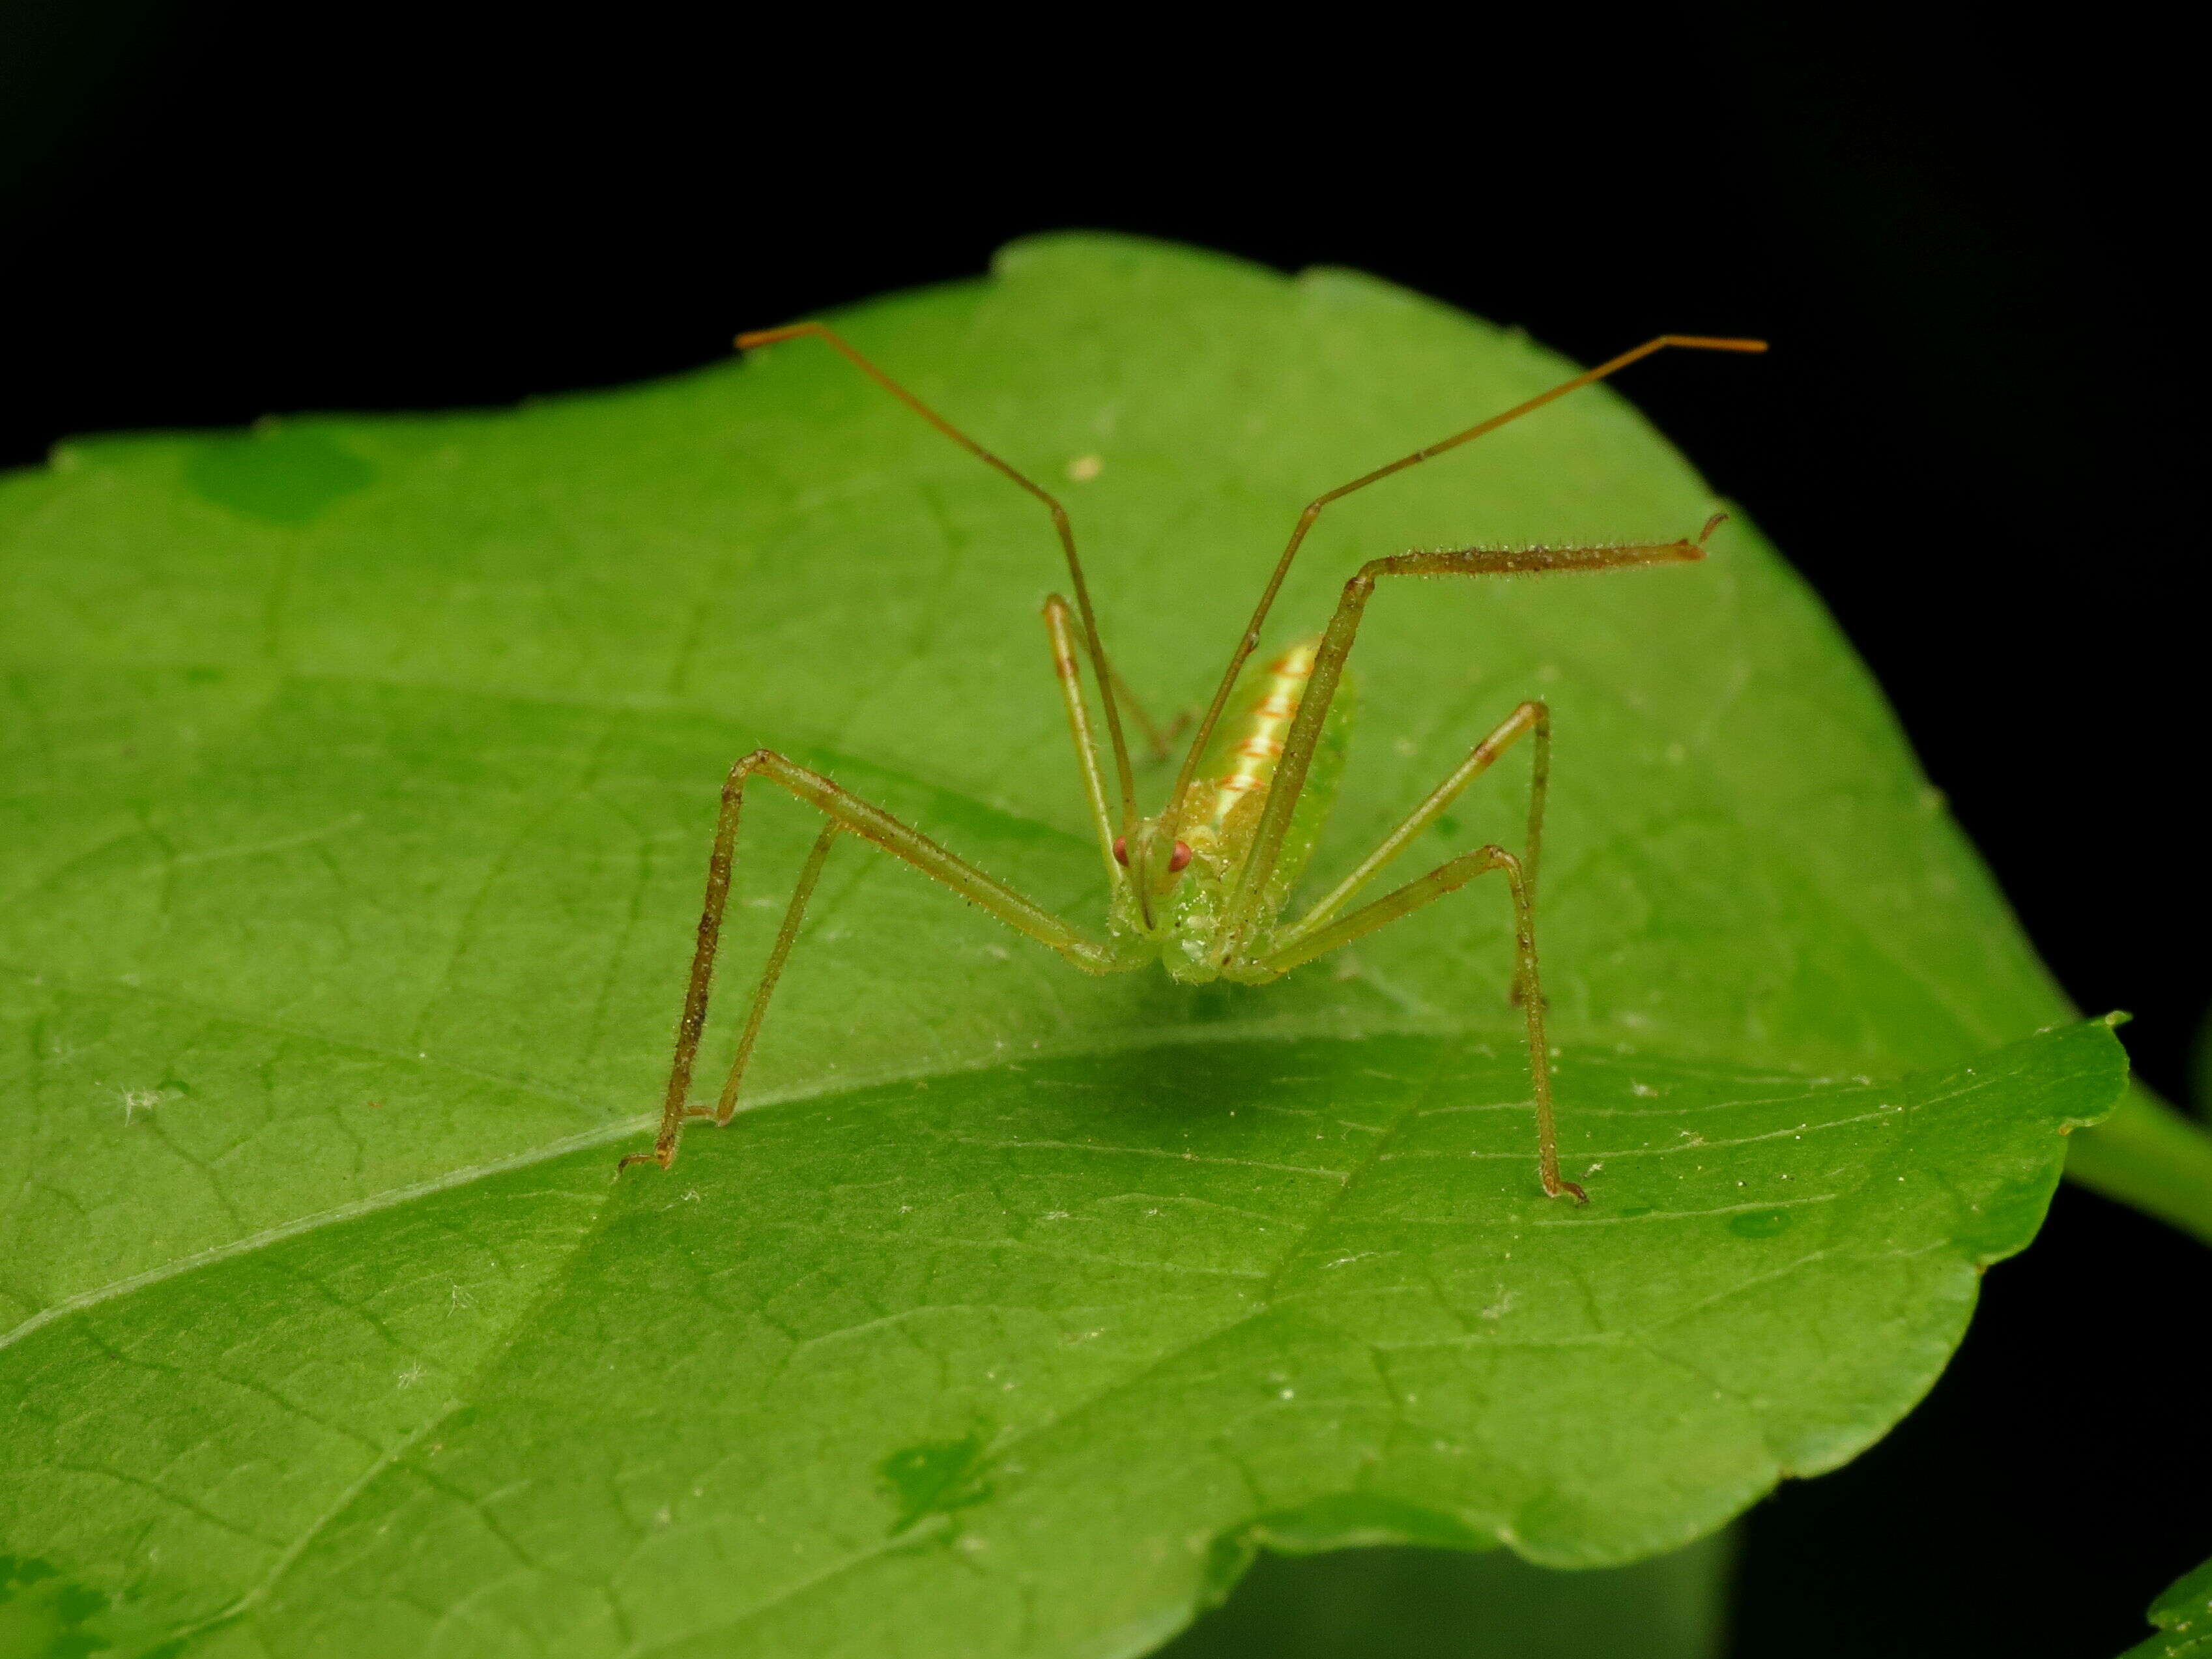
(1200, 886)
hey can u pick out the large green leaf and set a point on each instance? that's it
(358, 778)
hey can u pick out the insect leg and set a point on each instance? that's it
(1250, 640)
(1157, 738)
(793, 913)
(1532, 720)
(1336, 644)
(849, 814)
(1447, 878)
(1060, 626)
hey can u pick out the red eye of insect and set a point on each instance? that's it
(1122, 849)
(1180, 857)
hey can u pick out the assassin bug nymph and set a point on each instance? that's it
(1200, 885)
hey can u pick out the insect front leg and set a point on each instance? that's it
(848, 815)
(1532, 720)
(1067, 635)
(1447, 878)
(1060, 627)
(1245, 906)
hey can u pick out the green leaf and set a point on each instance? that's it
(358, 779)
(2184, 1618)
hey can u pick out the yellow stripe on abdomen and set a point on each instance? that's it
(1259, 742)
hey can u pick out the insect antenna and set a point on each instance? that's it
(1101, 672)
(1251, 639)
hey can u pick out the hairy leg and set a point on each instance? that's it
(1446, 877)
(1062, 627)
(1242, 920)
(793, 913)
(851, 815)
(1532, 720)
(1249, 641)
(1157, 737)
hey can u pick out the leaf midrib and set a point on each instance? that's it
(1267, 1298)
(1131, 1042)
(1135, 1042)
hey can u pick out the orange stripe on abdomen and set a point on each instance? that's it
(1258, 734)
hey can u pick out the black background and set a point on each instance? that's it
(1977, 436)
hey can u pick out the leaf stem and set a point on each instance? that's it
(2149, 1157)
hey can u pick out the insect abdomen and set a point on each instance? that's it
(1255, 742)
